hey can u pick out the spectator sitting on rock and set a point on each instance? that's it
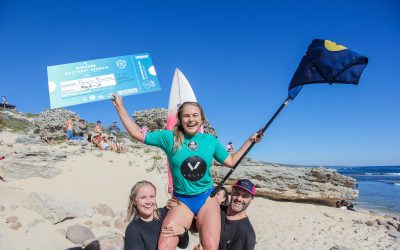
(113, 145)
(103, 144)
(96, 135)
(114, 130)
(82, 128)
(120, 146)
(97, 128)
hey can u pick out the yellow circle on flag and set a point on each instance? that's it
(331, 46)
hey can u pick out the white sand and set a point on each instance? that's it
(94, 180)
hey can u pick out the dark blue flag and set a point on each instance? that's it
(327, 62)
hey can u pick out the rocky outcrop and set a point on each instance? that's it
(32, 162)
(157, 119)
(50, 124)
(294, 184)
(152, 118)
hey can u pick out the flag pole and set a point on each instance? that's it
(217, 188)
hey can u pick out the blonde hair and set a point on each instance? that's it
(179, 133)
(132, 212)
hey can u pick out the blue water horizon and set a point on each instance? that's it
(378, 186)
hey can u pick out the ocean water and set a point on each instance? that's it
(379, 188)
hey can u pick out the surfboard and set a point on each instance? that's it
(181, 92)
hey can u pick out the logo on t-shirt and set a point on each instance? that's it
(192, 145)
(193, 168)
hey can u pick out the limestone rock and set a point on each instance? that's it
(53, 210)
(50, 124)
(30, 139)
(292, 183)
(32, 162)
(153, 118)
(79, 234)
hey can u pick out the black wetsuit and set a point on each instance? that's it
(236, 234)
(143, 235)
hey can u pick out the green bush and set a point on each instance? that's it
(17, 125)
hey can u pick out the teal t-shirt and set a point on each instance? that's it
(190, 165)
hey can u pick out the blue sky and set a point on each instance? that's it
(239, 57)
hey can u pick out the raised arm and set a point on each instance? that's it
(231, 160)
(131, 127)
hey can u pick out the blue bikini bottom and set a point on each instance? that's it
(194, 202)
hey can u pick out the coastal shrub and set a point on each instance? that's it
(17, 125)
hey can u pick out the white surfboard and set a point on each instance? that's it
(181, 92)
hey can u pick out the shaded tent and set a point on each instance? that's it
(5, 105)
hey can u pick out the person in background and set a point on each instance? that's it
(69, 125)
(104, 143)
(113, 130)
(145, 220)
(82, 128)
(120, 146)
(96, 137)
(229, 147)
(97, 129)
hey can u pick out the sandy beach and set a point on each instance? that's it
(92, 179)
